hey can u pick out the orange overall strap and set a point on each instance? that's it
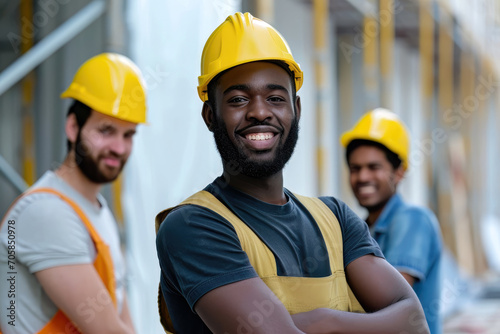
(103, 262)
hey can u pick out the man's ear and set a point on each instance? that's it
(207, 112)
(71, 128)
(399, 174)
(298, 107)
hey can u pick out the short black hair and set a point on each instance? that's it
(215, 81)
(82, 113)
(392, 157)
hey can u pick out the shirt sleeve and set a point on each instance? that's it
(50, 234)
(199, 251)
(414, 243)
(356, 237)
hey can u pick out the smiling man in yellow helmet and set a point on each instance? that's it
(246, 255)
(377, 152)
(66, 269)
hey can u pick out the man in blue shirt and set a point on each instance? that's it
(409, 236)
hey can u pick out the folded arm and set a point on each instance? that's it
(390, 303)
(251, 306)
(78, 291)
(247, 306)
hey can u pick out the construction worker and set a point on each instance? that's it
(377, 151)
(246, 255)
(59, 243)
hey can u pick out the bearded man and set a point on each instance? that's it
(59, 241)
(246, 255)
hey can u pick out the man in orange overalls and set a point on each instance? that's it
(59, 243)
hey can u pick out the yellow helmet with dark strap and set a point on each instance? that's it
(110, 84)
(241, 39)
(382, 126)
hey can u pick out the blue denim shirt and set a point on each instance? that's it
(410, 239)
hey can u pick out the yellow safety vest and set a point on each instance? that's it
(298, 294)
(103, 264)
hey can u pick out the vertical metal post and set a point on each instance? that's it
(370, 40)
(346, 107)
(445, 102)
(426, 42)
(426, 46)
(445, 73)
(321, 16)
(28, 129)
(387, 32)
(265, 10)
(467, 88)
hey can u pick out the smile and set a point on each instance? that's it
(259, 136)
(260, 141)
(367, 190)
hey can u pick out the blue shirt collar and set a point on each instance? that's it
(383, 221)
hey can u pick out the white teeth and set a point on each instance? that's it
(260, 136)
(366, 190)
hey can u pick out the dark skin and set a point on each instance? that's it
(240, 106)
(262, 91)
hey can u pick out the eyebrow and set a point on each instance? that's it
(277, 87)
(236, 87)
(246, 88)
(106, 126)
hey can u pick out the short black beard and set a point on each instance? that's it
(376, 207)
(240, 163)
(87, 165)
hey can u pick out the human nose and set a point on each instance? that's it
(363, 175)
(259, 110)
(118, 145)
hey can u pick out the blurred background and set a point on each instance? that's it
(433, 62)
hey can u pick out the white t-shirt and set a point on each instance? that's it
(46, 232)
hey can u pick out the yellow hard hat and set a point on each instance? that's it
(241, 39)
(382, 126)
(110, 84)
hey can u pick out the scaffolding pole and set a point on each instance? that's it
(50, 44)
(321, 16)
(12, 176)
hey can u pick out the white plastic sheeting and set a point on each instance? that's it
(175, 154)
(490, 234)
